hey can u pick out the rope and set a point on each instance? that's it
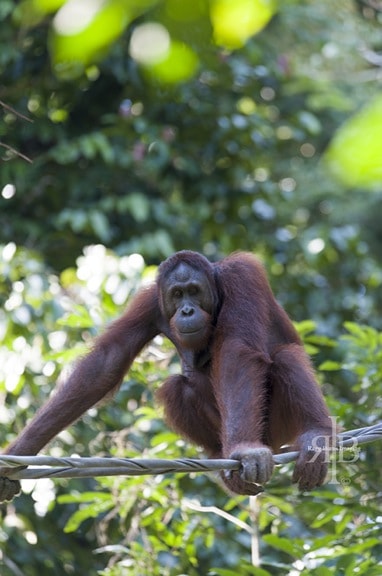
(49, 467)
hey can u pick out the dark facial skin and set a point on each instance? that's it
(188, 306)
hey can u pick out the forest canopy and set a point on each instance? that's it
(128, 131)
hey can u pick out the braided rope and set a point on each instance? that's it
(50, 467)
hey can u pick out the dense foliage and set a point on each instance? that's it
(107, 160)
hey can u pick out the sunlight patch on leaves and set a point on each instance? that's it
(235, 22)
(355, 153)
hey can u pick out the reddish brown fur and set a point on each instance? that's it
(251, 386)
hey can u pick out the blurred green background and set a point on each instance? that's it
(130, 130)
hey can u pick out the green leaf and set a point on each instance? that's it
(235, 22)
(330, 365)
(78, 318)
(96, 504)
(355, 153)
(305, 327)
(81, 497)
(80, 36)
(100, 225)
(283, 544)
(91, 511)
(179, 64)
